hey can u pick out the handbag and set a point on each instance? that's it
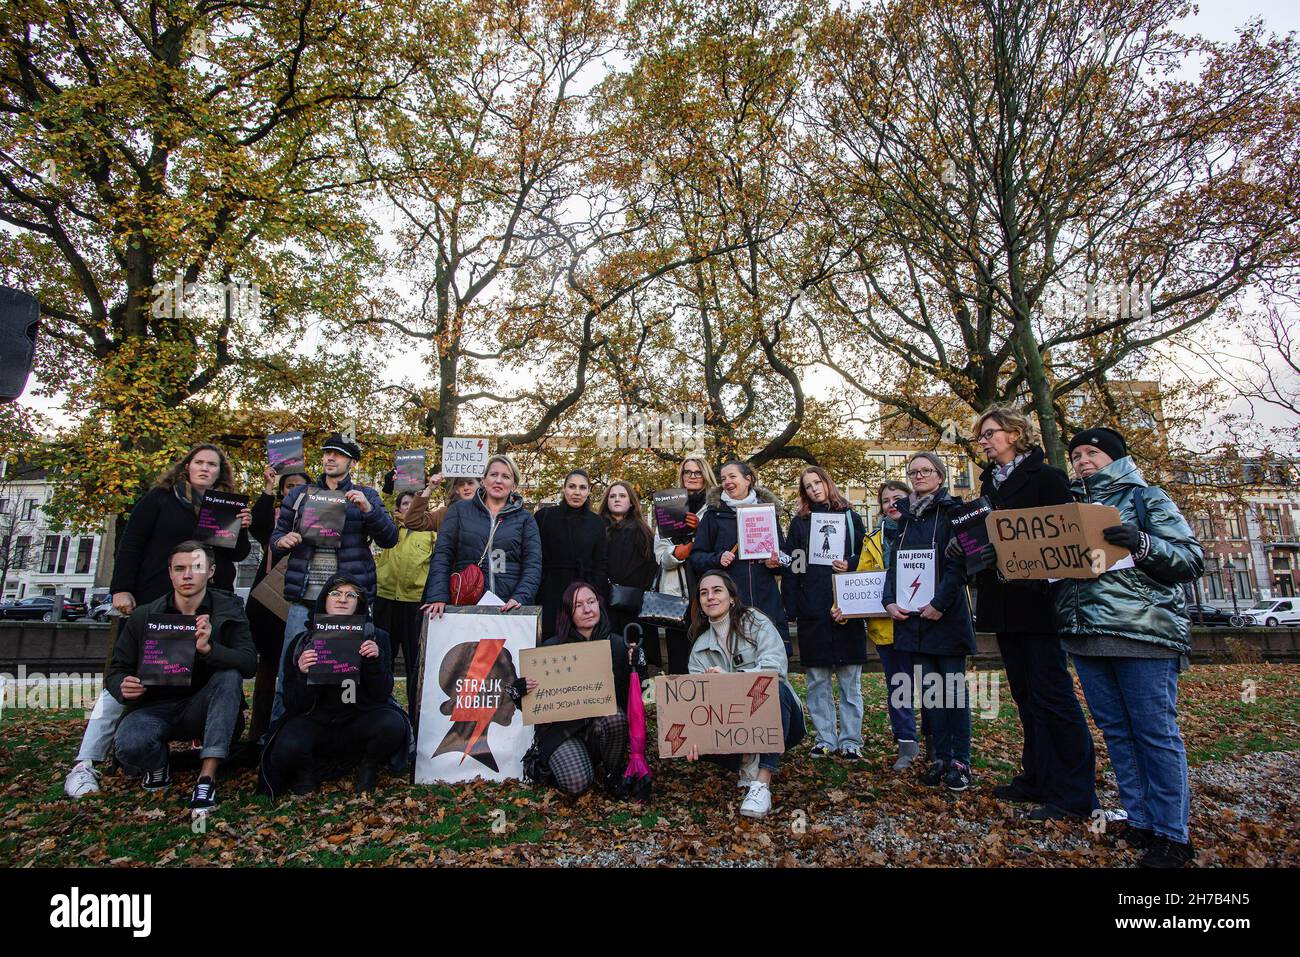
(626, 598)
(668, 611)
(466, 586)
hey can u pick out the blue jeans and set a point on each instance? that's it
(946, 705)
(792, 729)
(211, 712)
(294, 623)
(1134, 701)
(901, 718)
(821, 705)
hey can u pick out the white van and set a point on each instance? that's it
(1272, 613)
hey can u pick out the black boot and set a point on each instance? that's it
(304, 783)
(367, 772)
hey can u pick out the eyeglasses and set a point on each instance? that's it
(921, 473)
(988, 434)
(340, 593)
(692, 474)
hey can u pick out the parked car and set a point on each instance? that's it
(100, 611)
(1209, 616)
(41, 608)
(1272, 613)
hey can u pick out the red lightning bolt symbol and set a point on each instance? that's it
(484, 657)
(757, 693)
(480, 443)
(675, 736)
(916, 585)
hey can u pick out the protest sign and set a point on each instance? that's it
(218, 522)
(167, 652)
(826, 533)
(321, 518)
(469, 726)
(465, 457)
(1054, 542)
(574, 680)
(914, 571)
(972, 534)
(409, 471)
(737, 713)
(336, 639)
(756, 527)
(857, 594)
(284, 452)
(670, 512)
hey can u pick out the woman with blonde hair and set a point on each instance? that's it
(672, 555)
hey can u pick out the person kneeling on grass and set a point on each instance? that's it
(210, 705)
(327, 728)
(731, 637)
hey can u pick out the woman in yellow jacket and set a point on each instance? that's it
(897, 664)
(401, 572)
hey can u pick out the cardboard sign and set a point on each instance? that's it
(469, 726)
(670, 512)
(826, 534)
(284, 452)
(465, 457)
(858, 594)
(167, 651)
(971, 531)
(269, 592)
(736, 713)
(756, 527)
(336, 639)
(914, 572)
(218, 521)
(408, 471)
(1058, 541)
(574, 680)
(322, 515)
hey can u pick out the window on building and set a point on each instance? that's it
(85, 549)
(1236, 527)
(1283, 586)
(1281, 562)
(64, 547)
(1242, 581)
(1204, 528)
(897, 468)
(1273, 521)
(21, 551)
(1212, 587)
(4, 505)
(50, 554)
(77, 594)
(29, 509)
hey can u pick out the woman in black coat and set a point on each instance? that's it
(631, 561)
(1058, 760)
(937, 632)
(827, 648)
(571, 750)
(573, 547)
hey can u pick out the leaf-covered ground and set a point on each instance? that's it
(1245, 775)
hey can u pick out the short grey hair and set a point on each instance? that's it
(934, 460)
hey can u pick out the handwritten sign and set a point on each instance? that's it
(408, 471)
(756, 528)
(736, 713)
(1058, 541)
(284, 452)
(336, 639)
(218, 520)
(574, 680)
(972, 533)
(826, 532)
(322, 515)
(167, 652)
(914, 578)
(858, 594)
(465, 457)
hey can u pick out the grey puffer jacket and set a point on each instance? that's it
(1144, 603)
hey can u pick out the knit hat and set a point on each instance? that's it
(1108, 440)
(339, 444)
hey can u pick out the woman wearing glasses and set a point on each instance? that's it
(1058, 762)
(926, 597)
(329, 728)
(676, 576)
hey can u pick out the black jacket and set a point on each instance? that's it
(573, 549)
(231, 647)
(630, 552)
(810, 594)
(1019, 606)
(157, 522)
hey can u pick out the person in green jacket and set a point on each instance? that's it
(1128, 635)
(400, 573)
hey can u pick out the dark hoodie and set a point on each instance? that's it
(325, 702)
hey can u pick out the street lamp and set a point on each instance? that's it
(1232, 584)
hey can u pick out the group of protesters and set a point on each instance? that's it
(452, 542)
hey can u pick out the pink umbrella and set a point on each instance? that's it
(637, 777)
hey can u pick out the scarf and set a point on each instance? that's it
(188, 495)
(1003, 472)
(750, 499)
(917, 507)
(889, 529)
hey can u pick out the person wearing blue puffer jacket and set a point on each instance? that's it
(1128, 634)
(494, 531)
(311, 567)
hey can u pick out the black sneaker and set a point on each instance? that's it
(367, 773)
(933, 775)
(204, 798)
(1140, 838)
(1050, 812)
(1165, 852)
(303, 784)
(157, 780)
(821, 751)
(957, 777)
(1009, 792)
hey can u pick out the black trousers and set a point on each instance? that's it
(1059, 762)
(307, 740)
(403, 621)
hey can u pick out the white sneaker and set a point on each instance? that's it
(758, 801)
(83, 779)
